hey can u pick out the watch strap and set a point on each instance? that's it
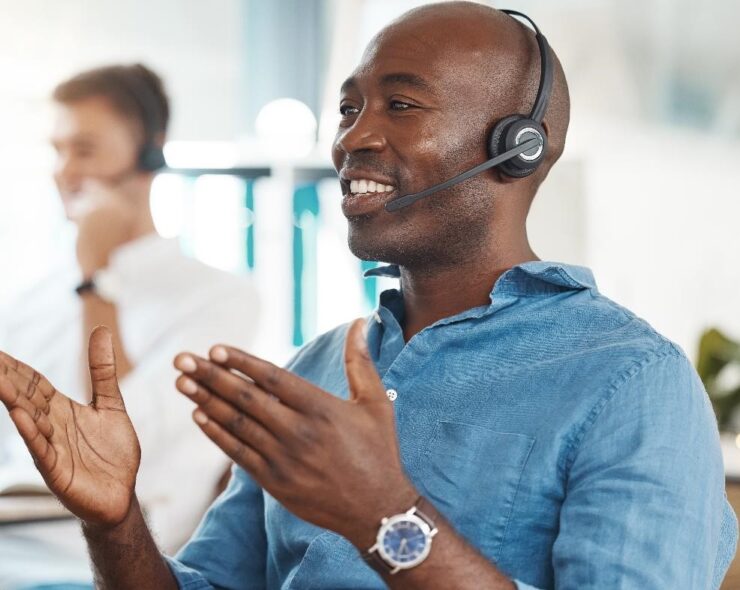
(375, 561)
(427, 512)
(86, 286)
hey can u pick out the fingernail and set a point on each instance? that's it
(219, 354)
(187, 364)
(200, 417)
(188, 386)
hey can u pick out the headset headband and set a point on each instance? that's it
(545, 87)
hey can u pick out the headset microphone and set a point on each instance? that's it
(517, 144)
(406, 200)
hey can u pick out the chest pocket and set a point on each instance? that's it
(472, 474)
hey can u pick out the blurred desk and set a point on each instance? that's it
(732, 579)
(31, 508)
(731, 457)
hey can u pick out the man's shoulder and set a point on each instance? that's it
(612, 347)
(592, 323)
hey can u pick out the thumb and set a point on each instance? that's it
(102, 361)
(364, 381)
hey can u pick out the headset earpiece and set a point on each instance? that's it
(151, 158)
(511, 132)
(517, 144)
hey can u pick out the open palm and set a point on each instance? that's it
(88, 455)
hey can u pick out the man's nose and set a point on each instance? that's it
(65, 170)
(365, 134)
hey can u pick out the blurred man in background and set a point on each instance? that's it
(108, 137)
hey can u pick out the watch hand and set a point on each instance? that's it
(401, 547)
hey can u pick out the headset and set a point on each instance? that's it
(517, 144)
(151, 155)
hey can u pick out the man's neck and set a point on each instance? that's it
(430, 295)
(143, 222)
(143, 226)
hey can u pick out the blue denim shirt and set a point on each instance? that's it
(564, 438)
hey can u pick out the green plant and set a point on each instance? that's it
(716, 353)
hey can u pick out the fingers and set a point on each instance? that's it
(362, 377)
(32, 385)
(34, 389)
(42, 452)
(13, 398)
(102, 360)
(241, 454)
(240, 392)
(25, 376)
(297, 393)
(242, 426)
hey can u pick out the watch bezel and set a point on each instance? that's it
(387, 524)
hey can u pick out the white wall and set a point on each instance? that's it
(662, 217)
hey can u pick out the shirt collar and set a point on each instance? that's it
(529, 278)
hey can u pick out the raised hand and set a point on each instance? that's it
(332, 462)
(105, 218)
(88, 455)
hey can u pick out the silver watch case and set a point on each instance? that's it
(412, 516)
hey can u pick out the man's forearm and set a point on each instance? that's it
(126, 556)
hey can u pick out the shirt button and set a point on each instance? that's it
(376, 317)
(392, 394)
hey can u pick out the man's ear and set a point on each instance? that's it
(546, 127)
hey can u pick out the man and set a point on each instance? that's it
(110, 126)
(501, 424)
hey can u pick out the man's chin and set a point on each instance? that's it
(375, 247)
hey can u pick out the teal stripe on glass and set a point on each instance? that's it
(305, 223)
(370, 284)
(250, 218)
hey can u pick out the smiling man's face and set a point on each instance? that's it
(415, 112)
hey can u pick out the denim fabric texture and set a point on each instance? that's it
(563, 437)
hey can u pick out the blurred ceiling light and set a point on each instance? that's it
(201, 154)
(286, 127)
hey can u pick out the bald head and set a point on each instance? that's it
(497, 60)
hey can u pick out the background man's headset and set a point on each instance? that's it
(517, 144)
(149, 104)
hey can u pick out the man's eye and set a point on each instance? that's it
(347, 110)
(398, 105)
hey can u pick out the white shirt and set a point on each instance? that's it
(166, 303)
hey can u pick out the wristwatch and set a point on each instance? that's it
(103, 283)
(404, 540)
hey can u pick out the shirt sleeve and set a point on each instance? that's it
(645, 504)
(229, 548)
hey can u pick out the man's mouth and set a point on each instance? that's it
(363, 196)
(364, 187)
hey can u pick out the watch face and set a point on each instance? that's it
(404, 541)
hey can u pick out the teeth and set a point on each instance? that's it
(364, 186)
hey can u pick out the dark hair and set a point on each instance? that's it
(133, 90)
